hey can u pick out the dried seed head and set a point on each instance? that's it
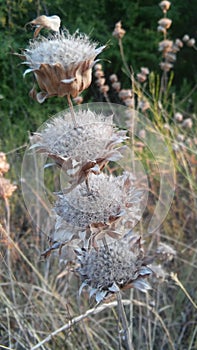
(185, 38)
(118, 32)
(124, 94)
(170, 57)
(100, 81)
(4, 166)
(161, 29)
(105, 200)
(129, 102)
(187, 123)
(179, 43)
(61, 63)
(165, 23)
(165, 252)
(98, 73)
(98, 66)
(104, 89)
(178, 117)
(145, 70)
(83, 149)
(6, 188)
(165, 5)
(144, 105)
(113, 78)
(116, 86)
(166, 66)
(165, 45)
(191, 42)
(119, 265)
(180, 137)
(141, 77)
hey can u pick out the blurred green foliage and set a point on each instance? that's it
(18, 113)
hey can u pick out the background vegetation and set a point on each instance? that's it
(38, 297)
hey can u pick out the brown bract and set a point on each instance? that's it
(54, 80)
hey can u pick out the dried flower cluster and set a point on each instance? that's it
(95, 211)
(120, 265)
(170, 48)
(6, 187)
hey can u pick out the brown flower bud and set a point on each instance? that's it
(124, 94)
(165, 5)
(118, 32)
(113, 78)
(116, 86)
(165, 23)
(104, 89)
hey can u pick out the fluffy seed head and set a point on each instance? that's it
(61, 63)
(119, 265)
(83, 149)
(106, 202)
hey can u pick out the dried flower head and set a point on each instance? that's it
(185, 38)
(165, 252)
(144, 105)
(6, 188)
(178, 117)
(116, 86)
(48, 22)
(120, 265)
(145, 70)
(165, 23)
(106, 202)
(118, 32)
(113, 78)
(179, 43)
(4, 166)
(141, 77)
(191, 42)
(165, 45)
(125, 93)
(61, 63)
(165, 5)
(83, 149)
(187, 123)
(166, 66)
(170, 57)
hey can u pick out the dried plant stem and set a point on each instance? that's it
(131, 312)
(7, 207)
(72, 110)
(123, 319)
(77, 319)
(175, 278)
(123, 57)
